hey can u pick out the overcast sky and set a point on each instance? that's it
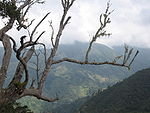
(130, 21)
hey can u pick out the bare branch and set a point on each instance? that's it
(20, 68)
(26, 3)
(45, 53)
(30, 23)
(66, 5)
(127, 55)
(7, 27)
(134, 58)
(63, 3)
(32, 83)
(26, 11)
(37, 66)
(104, 20)
(90, 63)
(21, 20)
(39, 37)
(66, 22)
(52, 35)
(31, 37)
(14, 44)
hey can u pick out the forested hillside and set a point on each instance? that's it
(71, 81)
(130, 96)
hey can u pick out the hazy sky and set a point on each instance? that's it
(130, 21)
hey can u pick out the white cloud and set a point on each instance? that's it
(130, 21)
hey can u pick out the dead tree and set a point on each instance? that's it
(15, 12)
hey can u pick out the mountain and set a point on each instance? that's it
(70, 107)
(116, 73)
(84, 80)
(71, 81)
(140, 61)
(132, 95)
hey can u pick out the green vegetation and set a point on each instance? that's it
(34, 104)
(14, 108)
(8, 9)
(130, 96)
(72, 82)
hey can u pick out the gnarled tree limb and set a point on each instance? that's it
(104, 20)
(36, 93)
(85, 62)
(6, 59)
(20, 68)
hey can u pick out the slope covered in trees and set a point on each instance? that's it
(132, 95)
(76, 81)
(71, 81)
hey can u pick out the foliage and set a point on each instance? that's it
(14, 107)
(70, 107)
(8, 9)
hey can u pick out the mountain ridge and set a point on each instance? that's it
(74, 81)
(129, 96)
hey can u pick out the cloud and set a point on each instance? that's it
(144, 17)
(130, 21)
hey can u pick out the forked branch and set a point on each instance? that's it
(63, 22)
(104, 20)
